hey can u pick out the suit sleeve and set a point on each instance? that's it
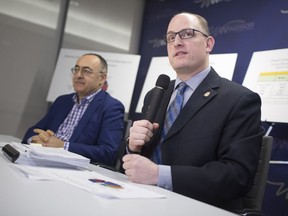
(101, 137)
(231, 173)
(52, 119)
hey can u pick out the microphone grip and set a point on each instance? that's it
(154, 104)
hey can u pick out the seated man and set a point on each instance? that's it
(88, 122)
(205, 140)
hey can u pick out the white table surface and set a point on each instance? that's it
(22, 196)
(8, 138)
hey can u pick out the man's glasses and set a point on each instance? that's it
(183, 34)
(84, 71)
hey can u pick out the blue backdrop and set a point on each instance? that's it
(238, 26)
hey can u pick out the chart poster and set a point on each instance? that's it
(122, 72)
(224, 64)
(267, 75)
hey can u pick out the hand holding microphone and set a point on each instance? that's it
(137, 167)
(142, 131)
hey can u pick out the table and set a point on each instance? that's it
(8, 138)
(22, 196)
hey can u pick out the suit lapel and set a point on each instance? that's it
(66, 106)
(92, 107)
(201, 97)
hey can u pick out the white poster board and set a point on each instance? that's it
(224, 64)
(267, 75)
(122, 72)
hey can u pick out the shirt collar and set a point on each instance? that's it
(194, 81)
(86, 99)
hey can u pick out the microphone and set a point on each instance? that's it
(162, 84)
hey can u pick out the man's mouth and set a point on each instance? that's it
(180, 53)
(77, 82)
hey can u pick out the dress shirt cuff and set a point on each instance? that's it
(29, 140)
(66, 145)
(165, 179)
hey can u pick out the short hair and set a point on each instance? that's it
(203, 22)
(103, 62)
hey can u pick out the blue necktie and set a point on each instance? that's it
(174, 108)
(171, 115)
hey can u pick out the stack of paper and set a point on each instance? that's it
(48, 156)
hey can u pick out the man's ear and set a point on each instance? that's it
(210, 42)
(103, 77)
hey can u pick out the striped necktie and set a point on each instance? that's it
(174, 108)
(171, 115)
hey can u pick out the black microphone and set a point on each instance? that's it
(162, 84)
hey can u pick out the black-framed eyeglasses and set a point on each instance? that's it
(84, 71)
(183, 34)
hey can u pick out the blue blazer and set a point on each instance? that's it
(98, 133)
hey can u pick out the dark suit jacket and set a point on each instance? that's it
(213, 146)
(98, 133)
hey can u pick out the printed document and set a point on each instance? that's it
(36, 155)
(90, 181)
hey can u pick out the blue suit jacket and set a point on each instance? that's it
(98, 133)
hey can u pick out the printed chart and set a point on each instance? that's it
(267, 75)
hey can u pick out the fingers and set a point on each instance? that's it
(55, 142)
(144, 124)
(36, 139)
(140, 169)
(129, 163)
(38, 131)
(43, 135)
(141, 131)
(51, 133)
(155, 126)
(129, 157)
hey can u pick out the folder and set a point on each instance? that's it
(43, 156)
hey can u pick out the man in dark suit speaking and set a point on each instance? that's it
(210, 152)
(88, 122)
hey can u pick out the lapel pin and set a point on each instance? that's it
(207, 94)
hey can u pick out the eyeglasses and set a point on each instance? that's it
(84, 71)
(183, 34)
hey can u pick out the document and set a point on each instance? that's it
(90, 181)
(36, 155)
(267, 75)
